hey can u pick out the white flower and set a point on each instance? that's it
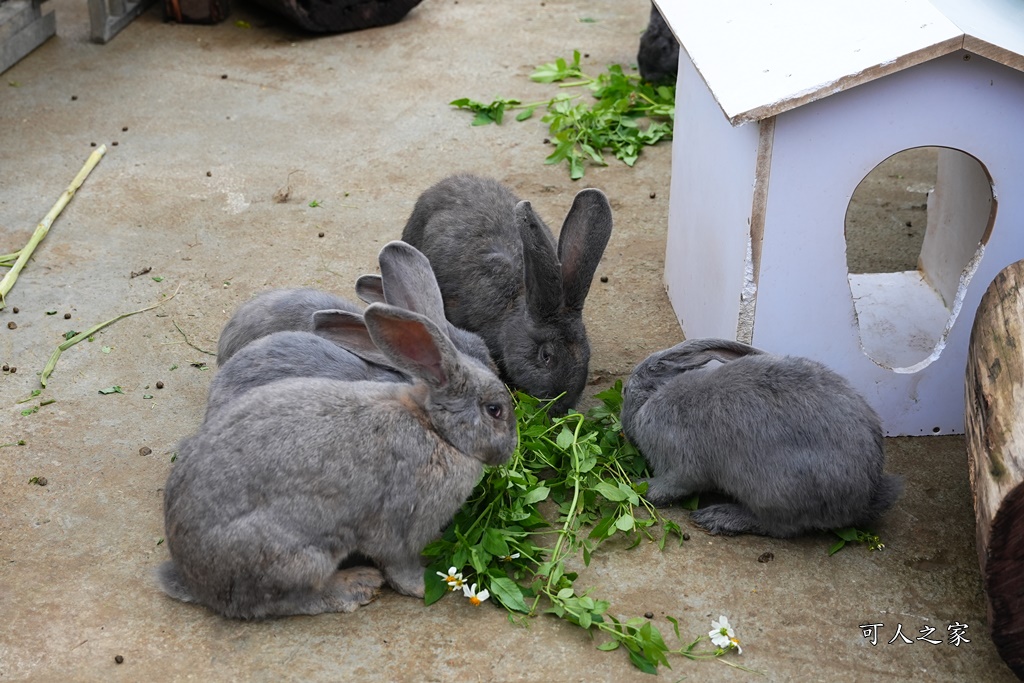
(509, 558)
(723, 636)
(474, 597)
(452, 578)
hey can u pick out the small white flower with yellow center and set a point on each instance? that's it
(723, 636)
(474, 597)
(509, 558)
(453, 579)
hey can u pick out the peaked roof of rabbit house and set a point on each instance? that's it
(760, 59)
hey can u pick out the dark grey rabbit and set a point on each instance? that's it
(503, 277)
(275, 311)
(295, 476)
(789, 440)
(658, 54)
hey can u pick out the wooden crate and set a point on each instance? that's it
(23, 28)
(108, 17)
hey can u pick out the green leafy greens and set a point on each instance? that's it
(580, 470)
(629, 114)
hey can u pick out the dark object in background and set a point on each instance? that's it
(338, 16)
(658, 56)
(197, 11)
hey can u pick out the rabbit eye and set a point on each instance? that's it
(494, 410)
(545, 355)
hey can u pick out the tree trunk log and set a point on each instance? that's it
(995, 451)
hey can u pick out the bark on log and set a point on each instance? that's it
(995, 451)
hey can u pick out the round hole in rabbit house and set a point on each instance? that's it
(916, 228)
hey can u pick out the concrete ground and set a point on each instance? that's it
(208, 128)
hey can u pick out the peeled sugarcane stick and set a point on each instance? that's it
(55, 356)
(44, 225)
(995, 451)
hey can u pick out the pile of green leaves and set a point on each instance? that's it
(854, 535)
(584, 131)
(580, 471)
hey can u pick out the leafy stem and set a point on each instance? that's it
(579, 469)
(627, 115)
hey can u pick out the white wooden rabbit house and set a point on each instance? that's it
(782, 109)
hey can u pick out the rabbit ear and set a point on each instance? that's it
(348, 330)
(409, 281)
(412, 343)
(695, 353)
(585, 233)
(370, 288)
(542, 272)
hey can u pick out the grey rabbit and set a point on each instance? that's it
(337, 344)
(658, 54)
(411, 285)
(503, 276)
(274, 311)
(788, 439)
(408, 281)
(295, 476)
(338, 348)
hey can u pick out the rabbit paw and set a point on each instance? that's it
(407, 580)
(354, 587)
(727, 519)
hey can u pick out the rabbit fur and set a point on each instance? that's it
(294, 476)
(332, 343)
(658, 54)
(339, 348)
(292, 309)
(503, 276)
(788, 439)
(274, 311)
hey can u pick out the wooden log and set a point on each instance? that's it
(995, 451)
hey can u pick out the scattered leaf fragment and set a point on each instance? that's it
(112, 390)
(35, 392)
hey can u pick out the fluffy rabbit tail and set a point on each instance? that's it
(170, 581)
(888, 490)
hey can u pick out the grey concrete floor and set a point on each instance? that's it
(210, 123)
